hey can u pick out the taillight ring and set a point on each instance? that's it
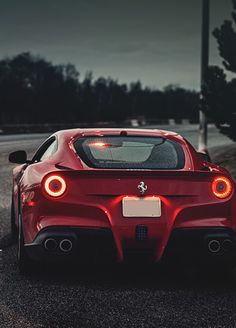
(54, 185)
(222, 187)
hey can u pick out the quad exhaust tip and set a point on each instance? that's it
(214, 246)
(227, 245)
(50, 244)
(65, 245)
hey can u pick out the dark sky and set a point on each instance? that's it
(156, 41)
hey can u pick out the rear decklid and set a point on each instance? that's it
(169, 183)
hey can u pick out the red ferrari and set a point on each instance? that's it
(115, 194)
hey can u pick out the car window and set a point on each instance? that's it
(50, 151)
(130, 152)
(48, 148)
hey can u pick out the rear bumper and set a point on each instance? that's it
(87, 245)
(98, 245)
(208, 245)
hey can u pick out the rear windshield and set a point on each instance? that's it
(128, 152)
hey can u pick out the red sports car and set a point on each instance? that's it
(114, 194)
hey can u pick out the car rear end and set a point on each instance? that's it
(133, 195)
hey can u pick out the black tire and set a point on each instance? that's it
(24, 262)
(14, 229)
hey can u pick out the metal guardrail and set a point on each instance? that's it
(52, 127)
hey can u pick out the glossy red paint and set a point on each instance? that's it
(86, 197)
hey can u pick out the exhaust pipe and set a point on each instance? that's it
(227, 245)
(50, 244)
(214, 246)
(65, 245)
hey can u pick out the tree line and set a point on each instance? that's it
(33, 90)
(219, 98)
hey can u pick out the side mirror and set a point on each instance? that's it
(204, 157)
(18, 157)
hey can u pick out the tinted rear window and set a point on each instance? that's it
(121, 152)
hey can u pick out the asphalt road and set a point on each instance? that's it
(106, 297)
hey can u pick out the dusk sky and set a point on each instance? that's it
(154, 41)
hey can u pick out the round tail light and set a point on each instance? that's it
(55, 185)
(222, 187)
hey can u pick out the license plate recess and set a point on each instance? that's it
(141, 206)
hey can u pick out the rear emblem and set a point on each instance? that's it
(142, 187)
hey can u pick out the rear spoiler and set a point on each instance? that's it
(136, 172)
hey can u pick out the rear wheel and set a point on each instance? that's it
(14, 229)
(24, 262)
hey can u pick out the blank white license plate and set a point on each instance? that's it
(141, 206)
